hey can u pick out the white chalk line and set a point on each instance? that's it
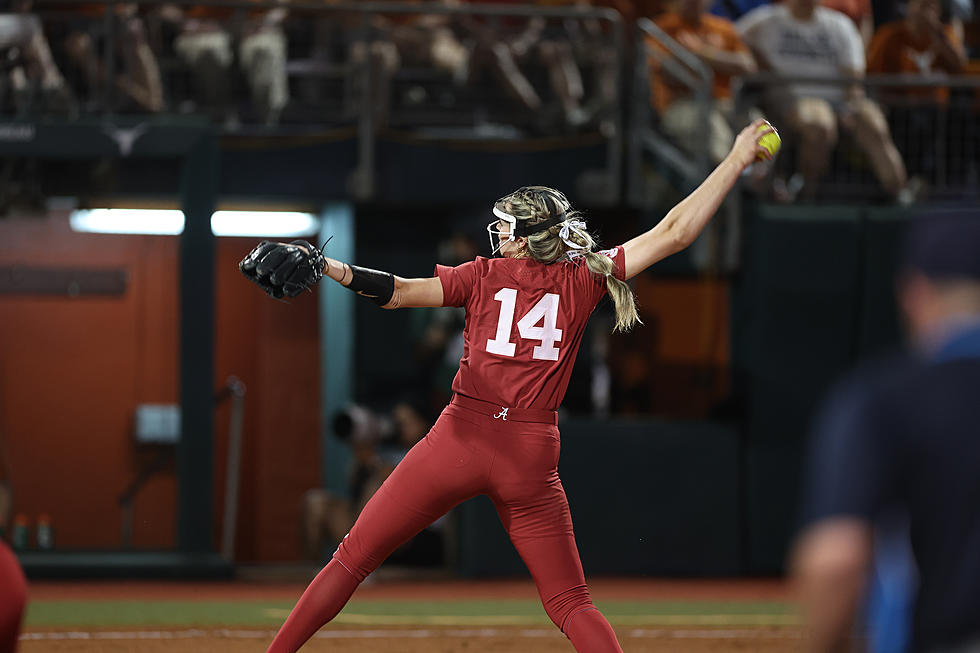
(732, 620)
(421, 633)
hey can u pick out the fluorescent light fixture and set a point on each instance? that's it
(167, 222)
(170, 222)
(281, 224)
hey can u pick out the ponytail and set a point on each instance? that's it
(627, 316)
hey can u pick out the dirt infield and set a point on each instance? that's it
(416, 640)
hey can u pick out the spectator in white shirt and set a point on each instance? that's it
(797, 38)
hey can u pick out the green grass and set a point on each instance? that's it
(378, 613)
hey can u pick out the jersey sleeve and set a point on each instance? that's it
(457, 282)
(618, 255)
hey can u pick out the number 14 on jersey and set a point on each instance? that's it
(545, 312)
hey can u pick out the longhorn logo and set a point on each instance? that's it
(125, 138)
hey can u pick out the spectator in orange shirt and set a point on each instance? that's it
(716, 43)
(921, 45)
(918, 45)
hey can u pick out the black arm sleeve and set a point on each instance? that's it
(375, 285)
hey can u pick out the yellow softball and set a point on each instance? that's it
(770, 141)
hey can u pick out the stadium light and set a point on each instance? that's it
(170, 222)
(166, 222)
(281, 224)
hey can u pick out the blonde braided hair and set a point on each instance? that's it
(534, 204)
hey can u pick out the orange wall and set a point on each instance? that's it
(676, 364)
(72, 371)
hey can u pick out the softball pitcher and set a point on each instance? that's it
(525, 315)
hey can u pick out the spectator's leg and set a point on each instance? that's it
(565, 78)
(681, 121)
(814, 125)
(263, 57)
(29, 34)
(81, 54)
(505, 68)
(448, 54)
(142, 80)
(870, 130)
(606, 89)
(208, 55)
(384, 61)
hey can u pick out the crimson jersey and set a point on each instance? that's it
(524, 323)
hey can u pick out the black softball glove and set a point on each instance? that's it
(283, 270)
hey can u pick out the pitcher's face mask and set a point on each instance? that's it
(506, 229)
(501, 230)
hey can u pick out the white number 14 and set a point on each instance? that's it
(545, 311)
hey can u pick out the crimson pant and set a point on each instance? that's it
(13, 597)
(474, 448)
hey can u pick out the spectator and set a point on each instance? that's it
(900, 436)
(921, 45)
(23, 41)
(505, 46)
(204, 44)
(715, 42)
(798, 38)
(139, 79)
(592, 48)
(918, 45)
(346, 37)
(427, 41)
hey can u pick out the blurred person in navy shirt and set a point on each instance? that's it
(903, 436)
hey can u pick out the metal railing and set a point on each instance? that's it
(938, 140)
(658, 51)
(362, 111)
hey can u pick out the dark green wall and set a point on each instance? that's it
(815, 296)
(647, 497)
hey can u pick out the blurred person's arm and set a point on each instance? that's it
(529, 37)
(682, 224)
(948, 47)
(735, 60)
(878, 50)
(830, 570)
(851, 473)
